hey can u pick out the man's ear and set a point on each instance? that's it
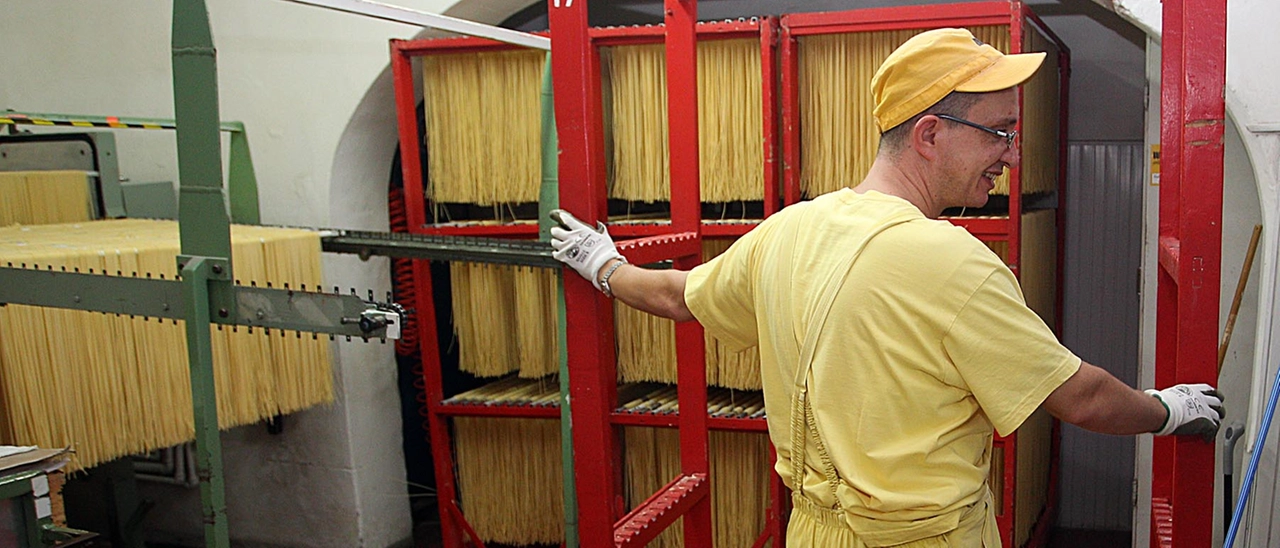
(924, 137)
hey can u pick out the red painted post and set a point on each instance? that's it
(768, 100)
(686, 216)
(433, 389)
(407, 120)
(592, 377)
(411, 169)
(790, 63)
(1167, 310)
(1199, 50)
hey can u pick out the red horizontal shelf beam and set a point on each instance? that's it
(511, 230)
(727, 229)
(653, 516)
(514, 411)
(1170, 249)
(983, 226)
(603, 36)
(900, 17)
(672, 420)
(709, 229)
(654, 34)
(638, 230)
(745, 425)
(660, 248)
(467, 44)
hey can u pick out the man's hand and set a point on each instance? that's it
(582, 247)
(1194, 410)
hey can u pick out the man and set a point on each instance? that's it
(892, 343)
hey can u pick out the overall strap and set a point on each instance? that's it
(803, 423)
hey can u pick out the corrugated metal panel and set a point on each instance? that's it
(1101, 313)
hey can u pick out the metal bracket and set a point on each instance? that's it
(285, 309)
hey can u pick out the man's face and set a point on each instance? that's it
(971, 158)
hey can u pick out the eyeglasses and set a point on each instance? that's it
(1008, 136)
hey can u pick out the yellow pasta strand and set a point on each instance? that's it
(740, 474)
(510, 479)
(483, 126)
(730, 121)
(109, 385)
(838, 135)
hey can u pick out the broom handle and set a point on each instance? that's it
(1235, 303)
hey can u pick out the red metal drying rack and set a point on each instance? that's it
(1192, 119)
(576, 76)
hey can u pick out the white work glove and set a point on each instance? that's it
(1194, 410)
(585, 249)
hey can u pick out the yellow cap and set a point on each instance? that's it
(935, 63)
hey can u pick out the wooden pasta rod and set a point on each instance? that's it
(1235, 301)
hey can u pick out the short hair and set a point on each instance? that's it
(956, 103)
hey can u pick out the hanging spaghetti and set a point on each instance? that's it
(838, 136)
(112, 385)
(509, 479)
(502, 316)
(730, 120)
(740, 472)
(44, 197)
(482, 126)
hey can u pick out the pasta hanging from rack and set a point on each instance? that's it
(730, 121)
(109, 385)
(838, 135)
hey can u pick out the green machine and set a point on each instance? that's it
(94, 152)
(205, 294)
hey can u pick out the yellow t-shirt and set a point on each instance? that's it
(929, 345)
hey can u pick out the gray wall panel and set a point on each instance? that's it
(1101, 312)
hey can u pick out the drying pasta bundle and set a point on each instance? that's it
(510, 479)
(838, 135)
(109, 385)
(647, 351)
(1039, 273)
(740, 473)
(646, 345)
(504, 318)
(44, 197)
(1041, 120)
(483, 126)
(730, 121)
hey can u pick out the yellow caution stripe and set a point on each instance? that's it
(110, 122)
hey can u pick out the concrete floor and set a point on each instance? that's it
(1076, 538)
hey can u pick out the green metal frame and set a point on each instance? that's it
(205, 293)
(242, 180)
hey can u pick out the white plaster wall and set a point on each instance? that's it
(295, 75)
(1252, 153)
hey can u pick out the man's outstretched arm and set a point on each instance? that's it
(1094, 400)
(592, 254)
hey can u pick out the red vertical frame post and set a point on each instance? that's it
(1193, 83)
(1008, 515)
(406, 119)
(789, 53)
(686, 216)
(592, 376)
(433, 388)
(769, 104)
(1166, 282)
